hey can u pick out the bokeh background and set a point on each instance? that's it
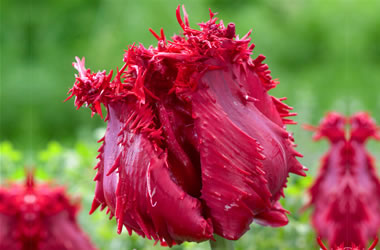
(325, 53)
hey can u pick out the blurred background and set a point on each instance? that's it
(325, 53)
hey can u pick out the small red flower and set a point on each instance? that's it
(194, 144)
(39, 217)
(346, 194)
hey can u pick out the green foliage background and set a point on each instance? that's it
(326, 54)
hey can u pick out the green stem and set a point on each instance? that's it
(221, 244)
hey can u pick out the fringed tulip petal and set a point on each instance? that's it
(194, 145)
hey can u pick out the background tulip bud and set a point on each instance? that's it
(39, 216)
(346, 194)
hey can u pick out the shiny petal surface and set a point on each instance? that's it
(140, 190)
(193, 137)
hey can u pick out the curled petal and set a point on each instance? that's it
(140, 191)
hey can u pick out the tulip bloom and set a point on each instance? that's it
(39, 217)
(194, 144)
(346, 194)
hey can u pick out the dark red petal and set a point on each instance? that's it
(276, 217)
(234, 135)
(141, 192)
(186, 173)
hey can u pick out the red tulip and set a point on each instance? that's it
(353, 246)
(346, 194)
(39, 217)
(194, 143)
